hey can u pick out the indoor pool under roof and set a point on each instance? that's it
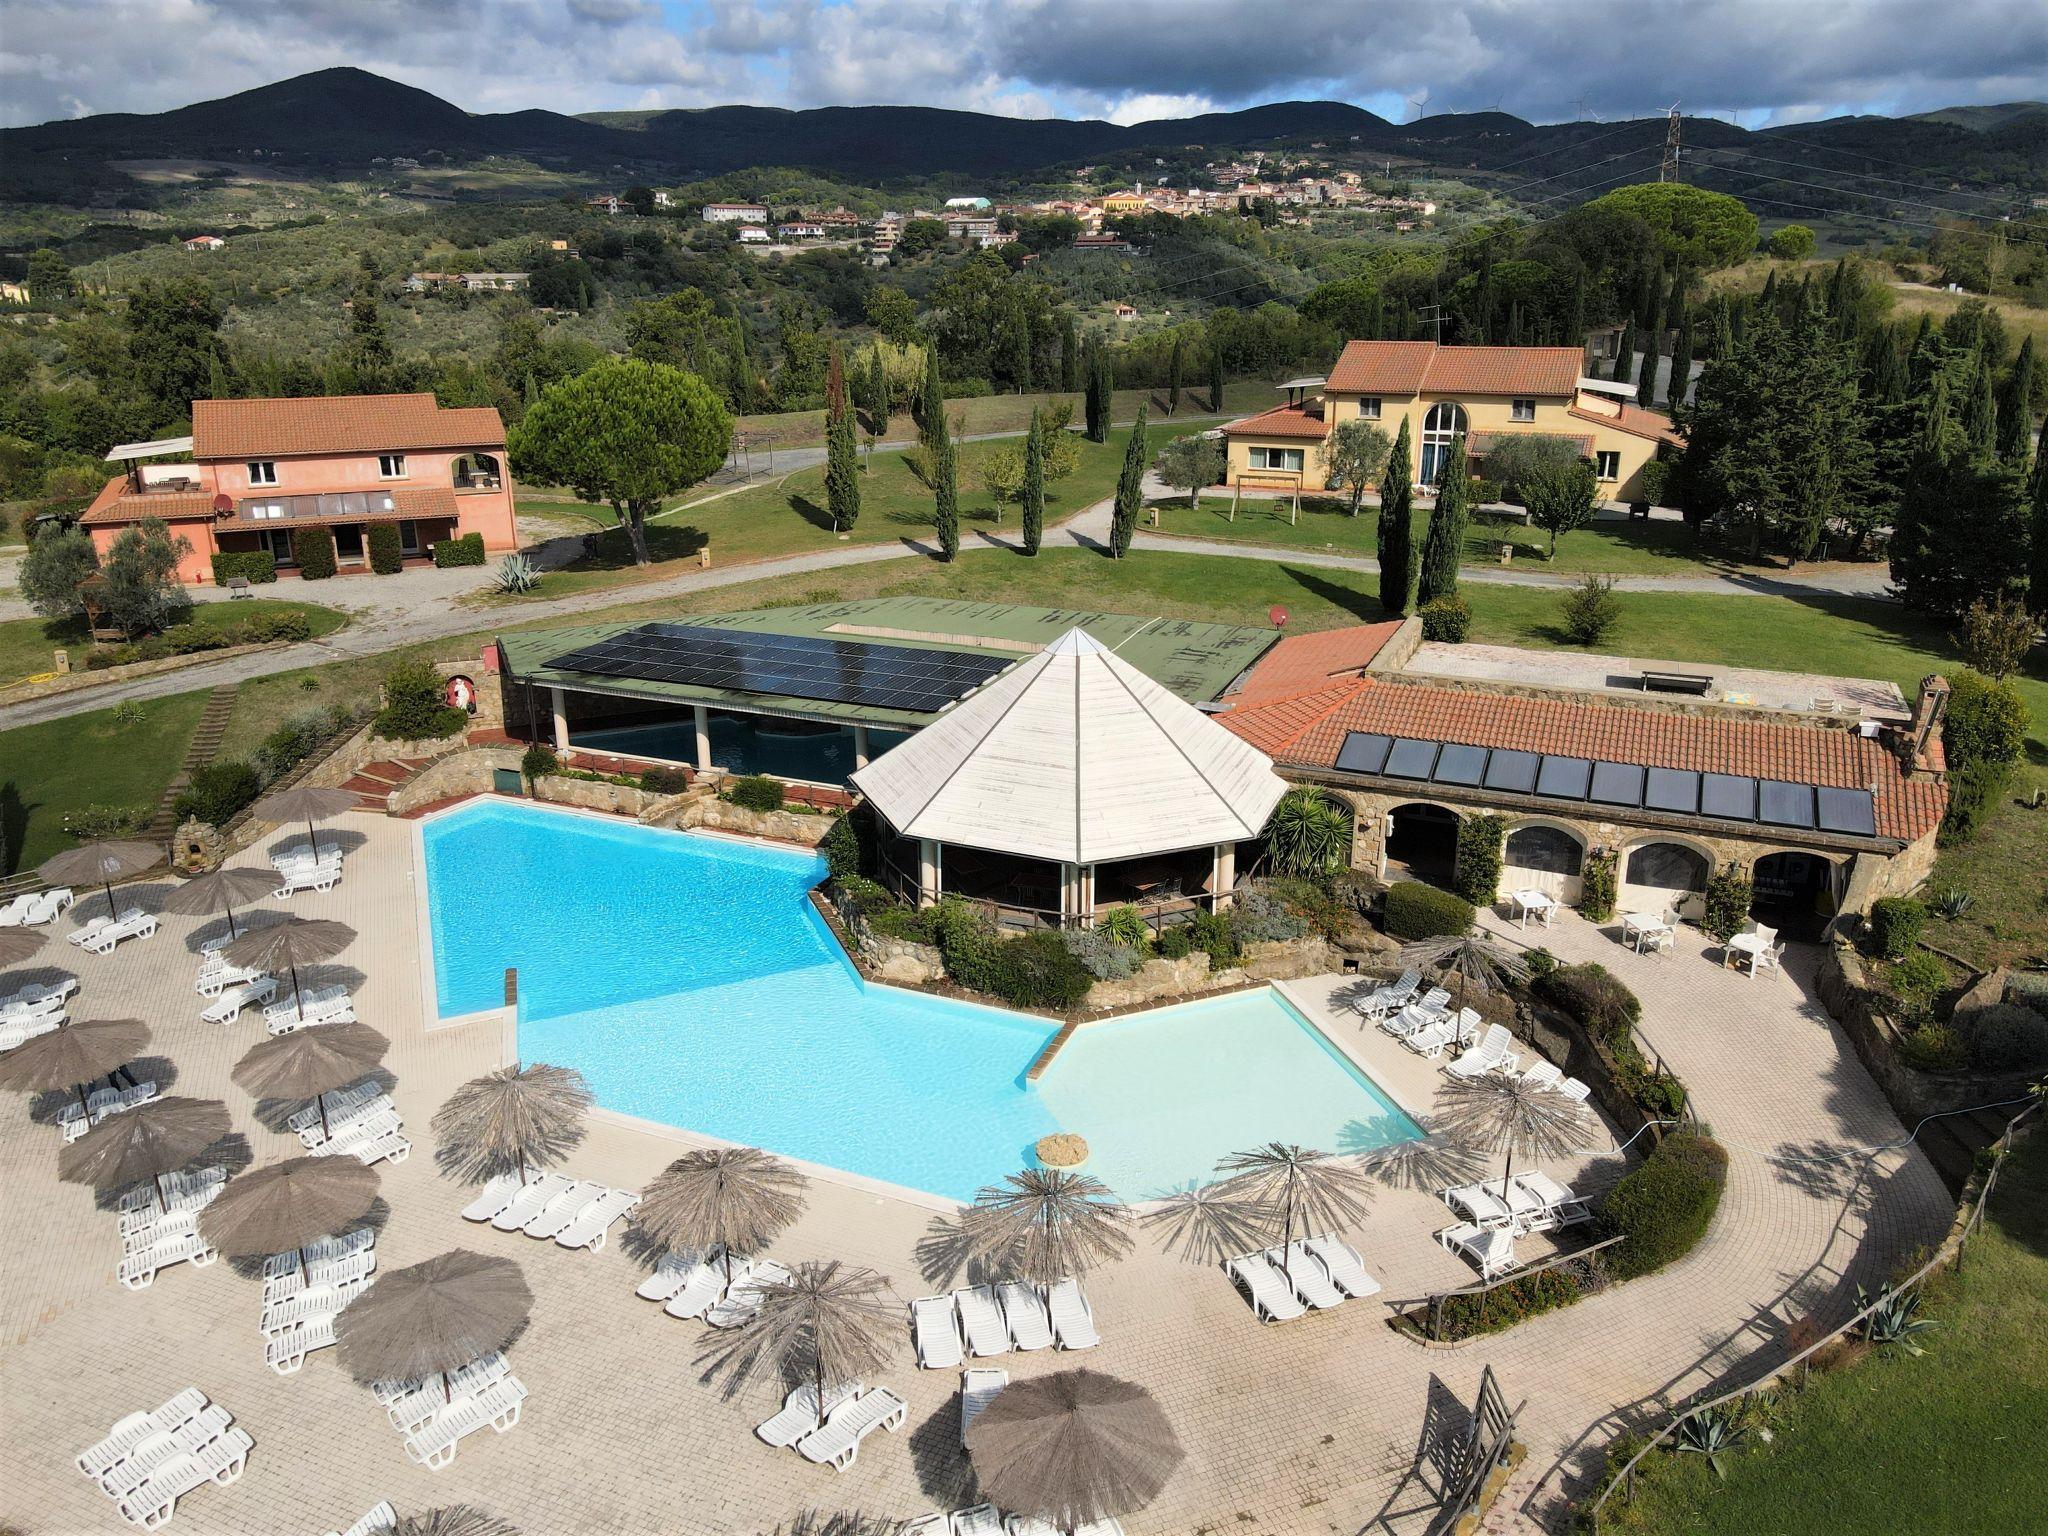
(692, 983)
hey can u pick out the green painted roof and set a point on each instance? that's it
(1197, 661)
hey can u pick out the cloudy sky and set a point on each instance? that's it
(1761, 61)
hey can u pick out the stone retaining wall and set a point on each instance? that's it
(72, 682)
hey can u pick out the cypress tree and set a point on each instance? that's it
(2015, 406)
(945, 483)
(1681, 361)
(1173, 365)
(1070, 356)
(1653, 335)
(2037, 545)
(1130, 491)
(1980, 410)
(1101, 396)
(1446, 537)
(1215, 378)
(1767, 301)
(878, 398)
(842, 460)
(1034, 485)
(931, 402)
(739, 367)
(1020, 355)
(1396, 503)
(1625, 353)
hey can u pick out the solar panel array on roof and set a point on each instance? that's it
(787, 666)
(1723, 796)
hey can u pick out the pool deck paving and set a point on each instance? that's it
(1329, 1424)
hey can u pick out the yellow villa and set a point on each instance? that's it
(1487, 393)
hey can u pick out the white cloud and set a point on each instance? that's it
(1148, 105)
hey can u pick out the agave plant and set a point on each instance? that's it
(1952, 903)
(1894, 1320)
(517, 574)
(1708, 1432)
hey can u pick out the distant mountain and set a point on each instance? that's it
(338, 119)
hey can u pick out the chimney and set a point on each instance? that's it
(1919, 745)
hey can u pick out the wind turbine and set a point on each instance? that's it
(1586, 114)
(1416, 103)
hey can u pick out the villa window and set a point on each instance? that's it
(1277, 458)
(391, 465)
(1609, 462)
(1522, 410)
(262, 472)
(1444, 422)
(1369, 408)
(1667, 867)
(1549, 849)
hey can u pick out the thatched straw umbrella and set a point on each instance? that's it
(287, 945)
(1286, 1181)
(826, 1322)
(284, 1206)
(1499, 1113)
(731, 1198)
(1208, 1223)
(304, 803)
(311, 1063)
(453, 1520)
(432, 1318)
(1071, 1447)
(147, 1142)
(100, 864)
(17, 945)
(1044, 1224)
(1469, 957)
(72, 1055)
(217, 891)
(505, 1120)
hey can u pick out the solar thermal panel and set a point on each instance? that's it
(1784, 805)
(1514, 772)
(1460, 765)
(1411, 759)
(1848, 810)
(1672, 789)
(1565, 778)
(1363, 752)
(1617, 783)
(1728, 796)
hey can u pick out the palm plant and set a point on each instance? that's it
(1504, 1113)
(1308, 833)
(1287, 1181)
(505, 1120)
(1045, 1224)
(723, 1197)
(827, 1322)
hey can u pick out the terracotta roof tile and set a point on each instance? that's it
(1298, 663)
(114, 505)
(241, 429)
(1637, 422)
(1418, 367)
(1283, 421)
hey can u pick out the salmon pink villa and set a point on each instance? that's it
(264, 476)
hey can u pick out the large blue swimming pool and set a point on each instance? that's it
(692, 983)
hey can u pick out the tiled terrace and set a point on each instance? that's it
(1324, 1425)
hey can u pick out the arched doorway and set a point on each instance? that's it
(1445, 421)
(1794, 893)
(1422, 843)
(1662, 877)
(1545, 858)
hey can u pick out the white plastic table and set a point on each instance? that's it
(1749, 944)
(1639, 927)
(1534, 904)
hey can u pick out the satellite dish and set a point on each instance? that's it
(1278, 615)
(223, 505)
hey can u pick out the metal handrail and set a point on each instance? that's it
(1436, 1299)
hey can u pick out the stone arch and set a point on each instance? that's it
(1797, 890)
(1550, 858)
(1653, 881)
(1422, 840)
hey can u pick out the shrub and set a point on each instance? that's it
(266, 627)
(1308, 833)
(1590, 610)
(1037, 970)
(1418, 911)
(966, 940)
(315, 549)
(755, 792)
(387, 552)
(1107, 957)
(413, 705)
(2008, 1038)
(1465, 1317)
(1597, 886)
(859, 895)
(1259, 915)
(1664, 1207)
(255, 566)
(669, 781)
(1126, 925)
(1987, 721)
(841, 849)
(1326, 906)
(1541, 963)
(1593, 996)
(1728, 895)
(1895, 924)
(294, 739)
(1205, 931)
(1447, 618)
(89, 823)
(1476, 871)
(538, 761)
(467, 550)
(1933, 1048)
(1972, 791)
(1916, 979)
(219, 790)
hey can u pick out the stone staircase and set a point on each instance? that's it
(374, 783)
(1953, 1142)
(205, 744)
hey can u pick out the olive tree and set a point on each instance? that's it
(1517, 458)
(1192, 464)
(1358, 457)
(56, 562)
(1561, 497)
(627, 433)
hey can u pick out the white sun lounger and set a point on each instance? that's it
(563, 1209)
(978, 1388)
(493, 1198)
(799, 1413)
(1073, 1320)
(410, 1404)
(342, 1135)
(1560, 1206)
(1272, 1299)
(34, 908)
(315, 1301)
(1491, 1249)
(285, 1352)
(324, 1005)
(1025, 1316)
(1575, 1090)
(321, 1272)
(707, 1283)
(531, 1201)
(1345, 1265)
(838, 1440)
(980, 1520)
(218, 1461)
(1311, 1282)
(742, 1301)
(139, 1269)
(177, 1186)
(981, 1320)
(134, 924)
(99, 1106)
(307, 877)
(130, 1432)
(1491, 1054)
(36, 995)
(13, 1035)
(671, 1273)
(216, 974)
(135, 1469)
(593, 1225)
(937, 1329)
(382, 1518)
(1481, 1203)
(1390, 997)
(1545, 1074)
(228, 1006)
(433, 1445)
(82, 935)
(1445, 1029)
(321, 1251)
(343, 1105)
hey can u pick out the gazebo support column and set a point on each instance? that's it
(1071, 912)
(561, 711)
(703, 722)
(927, 871)
(860, 746)
(1224, 878)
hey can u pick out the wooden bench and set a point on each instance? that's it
(1697, 684)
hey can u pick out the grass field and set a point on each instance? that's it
(26, 644)
(1008, 413)
(50, 770)
(1947, 1441)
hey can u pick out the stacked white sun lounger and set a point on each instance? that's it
(574, 1213)
(382, 1518)
(1318, 1272)
(838, 1439)
(300, 872)
(151, 1460)
(741, 1303)
(435, 1420)
(229, 1002)
(35, 908)
(331, 1262)
(343, 1106)
(217, 973)
(322, 1005)
(154, 1238)
(99, 1104)
(101, 934)
(36, 997)
(371, 1133)
(687, 1286)
(799, 1413)
(26, 1025)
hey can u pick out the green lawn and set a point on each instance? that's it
(1628, 547)
(26, 644)
(1948, 1441)
(1009, 413)
(50, 770)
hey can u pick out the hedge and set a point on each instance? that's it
(413, 705)
(1524, 1297)
(1476, 869)
(755, 792)
(255, 565)
(217, 791)
(387, 553)
(466, 550)
(1664, 1207)
(665, 781)
(1895, 924)
(315, 549)
(1037, 970)
(1446, 618)
(1418, 911)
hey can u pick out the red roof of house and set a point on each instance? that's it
(1423, 367)
(1283, 421)
(1300, 679)
(246, 429)
(1637, 422)
(1291, 731)
(115, 504)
